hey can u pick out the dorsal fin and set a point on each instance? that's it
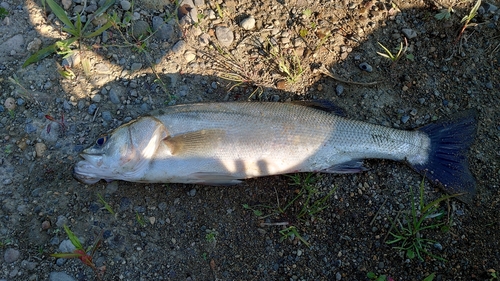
(323, 105)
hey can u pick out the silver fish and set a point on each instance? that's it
(223, 143)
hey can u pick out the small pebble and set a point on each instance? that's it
(92, 108)
(339, 89)
(409, 33)
(11, 255)
(405, 119)
(192, 192)
(106, 116)
(10, 103)
(40, 149)
(366, 67)
(189, 56)
(248, 23)
(224, 35)
(135, 66)
(96, 98)
(125, 5)
(179, 46)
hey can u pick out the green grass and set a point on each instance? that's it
(310, 203)
(76, 29)
(140, 219)
(211, 236)
(408, 235)
(105, 204)
(3, 13)
(84, 255)
(393, 57)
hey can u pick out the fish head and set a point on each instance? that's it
(124, 154)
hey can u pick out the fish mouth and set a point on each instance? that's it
(82, 172)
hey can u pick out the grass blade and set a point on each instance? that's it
(99, 31)
(72, 237)
(41, 54)
(60, 13)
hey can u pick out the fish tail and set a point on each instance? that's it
(447, 163)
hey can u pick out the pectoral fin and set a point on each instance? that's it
(194, 143)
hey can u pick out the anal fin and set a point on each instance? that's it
(212, 178)
(350, 167)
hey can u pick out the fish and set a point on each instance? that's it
(223, 143)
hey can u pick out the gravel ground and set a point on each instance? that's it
(159, 54)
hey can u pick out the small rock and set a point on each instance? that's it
(113, 96)
(125, 5)
(102, 68)
(97, 98)
(66, 246)
(140, 29)
(162, 30)
(34, 45)
(14, 43)
(489, 8)
(72, 60)
(438, 246)
(179, 46)
(106, 116)
(61, 221)
(92, 108)
(67, 106)
(405, 119)
(90, 9)
(187, 12)
(366, 67)
(60, 276)
(192, 192)
(45, 225)
(489, 85)
(100, 20)
(10, 103)
(66, 4)
(338, 276)
(40, 148)
(339, 89)
(11, 255)
(248, 23)
(409, 33)
(28, 265)
(189, 56)
(204, 39)
(224, 35)
(135, 66)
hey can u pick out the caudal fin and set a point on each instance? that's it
(447, 164)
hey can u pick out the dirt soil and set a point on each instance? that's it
(158, 54)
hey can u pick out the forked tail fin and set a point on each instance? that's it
(447, 164)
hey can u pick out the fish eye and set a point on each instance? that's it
(102, 140)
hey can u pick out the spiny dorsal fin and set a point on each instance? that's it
(194, 143)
